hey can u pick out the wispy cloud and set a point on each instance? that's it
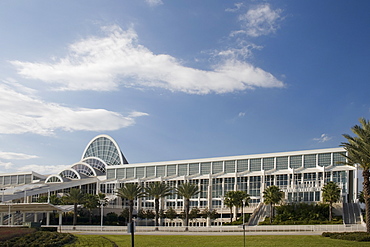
(241, 114)
(259, 20)
(16, 156)
(24, 113)
(154, 2)
(43, 169)
(323, 138)
(105, 63)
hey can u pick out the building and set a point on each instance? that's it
(103, 168)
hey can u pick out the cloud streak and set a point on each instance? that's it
(24, 113)
(105, 63)
(323, 138)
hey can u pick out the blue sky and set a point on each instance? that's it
(172, 80)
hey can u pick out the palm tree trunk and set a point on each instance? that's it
(231, 214)
(187, 214)
(271, 213)
(366, 190)
(131, 209)
(74, 214)
(330, 211)
(156, 204)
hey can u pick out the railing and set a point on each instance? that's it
(280, 228)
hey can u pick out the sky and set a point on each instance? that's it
(173, 80)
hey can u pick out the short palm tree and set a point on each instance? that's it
(358, 152)
(90, 203)
(75, 196)
(130, 191)
(272, 195)
(157, 190)
(187, 190)
(235, 199)
(331, 194)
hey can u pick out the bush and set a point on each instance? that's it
(40, 239)
(351, 236)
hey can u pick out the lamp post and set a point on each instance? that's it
(102, 201)
(243, 221)
(222, 202)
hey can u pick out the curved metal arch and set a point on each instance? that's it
(101, 153)
(82, 171)
(72, 170)
(95, 165)
(61, 180)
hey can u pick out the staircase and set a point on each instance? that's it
(351, 213)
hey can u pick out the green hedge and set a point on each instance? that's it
(40, 239)
(351, 236)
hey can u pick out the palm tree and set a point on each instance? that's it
(187, 190)
(75, 196)
(157, 190)
(331, 194)
(130, 191)
(235, 199)
(358, 152)
(91, 202)
(272, 195)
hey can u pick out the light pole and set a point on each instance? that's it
(102, 201)
(222, 202)
(243, 221)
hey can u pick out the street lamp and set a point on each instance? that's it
(101, 201)
(222, 202)
(243, 220)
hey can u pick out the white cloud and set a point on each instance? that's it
(6, 165)
(104, 63)
(16, 156)
(260, 20)
(237, 7)
(23, 113)
(154, 2)
(43, 169)
(323, 138)
(241, 114)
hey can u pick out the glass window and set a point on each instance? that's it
(324, 159)
(254, 185)
(120, 173)
(230, 166)
(140, 172)
(171, 170)
(268, 164)
(203, 188)
(217, 167)
(130, 172)
(338, 158)
(282, 163)
(183, 170)
(160, 171)
(242, 165)
(310, 161)
(296, 161)
(255, 165)
(229, 184)
(111, 173)
(205, 168)
(193, 168)
(150, 171)
(217, 188)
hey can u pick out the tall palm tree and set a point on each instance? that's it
(272, 195)
(130, 191)
(90, 203)
(331, 194)
(75, 196)
(187, 190)
(157, 190)
(358, 152)
(235, 199)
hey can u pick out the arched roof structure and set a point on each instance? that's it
(96, 163)
(70, 173)
(54, 179)
(105, 148)
(84, 168)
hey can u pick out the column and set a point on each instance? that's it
(60, 218)
(24, 217)
(47, 218)
(35, 217)
(1, 219)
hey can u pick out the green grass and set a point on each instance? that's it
(212, 241)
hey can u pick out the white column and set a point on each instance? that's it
(47, 218)
(24, 217)
(60, 218)
(12, 219)
(1, 219)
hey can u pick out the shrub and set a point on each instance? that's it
(351, 236)
(40, 239)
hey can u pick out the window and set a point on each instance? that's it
(140, 172)
(296, 161)
(130, 172)
(171, 170)
(255, 165)
(120, 173)
(183, 170)
(230, 166)
(205, 168)
(217, 188)
(310, 161)
(160, 171)
(111, 173)
(338, 158)
(217, 167)
(324, 159)
(268, 164)
(242, 165)
(150, 171)
(194, 169)
(282, 163)
(254, 185)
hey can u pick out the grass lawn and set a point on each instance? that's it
(213, 241)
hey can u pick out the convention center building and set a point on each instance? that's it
(301, 175)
